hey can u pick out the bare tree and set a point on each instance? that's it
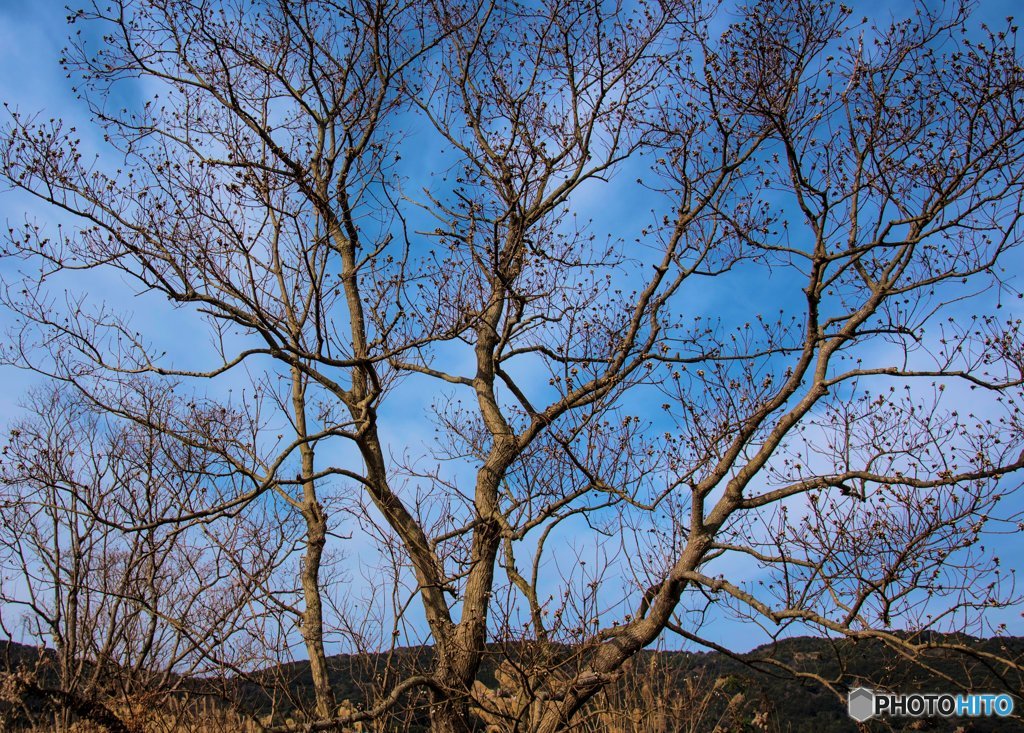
(130, 616)
(791, 359)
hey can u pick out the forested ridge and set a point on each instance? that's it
(662, 690)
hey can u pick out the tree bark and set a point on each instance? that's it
(316, 539)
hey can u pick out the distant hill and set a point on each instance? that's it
(665, 678)
(796, 705)
(805, 706)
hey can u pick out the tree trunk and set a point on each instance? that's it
(450, 716)
(316, 538)
(312, 616)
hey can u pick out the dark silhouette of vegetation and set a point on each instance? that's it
(660, 690)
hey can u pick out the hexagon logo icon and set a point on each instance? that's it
(860, 703)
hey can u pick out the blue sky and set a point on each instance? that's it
(31, 35)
